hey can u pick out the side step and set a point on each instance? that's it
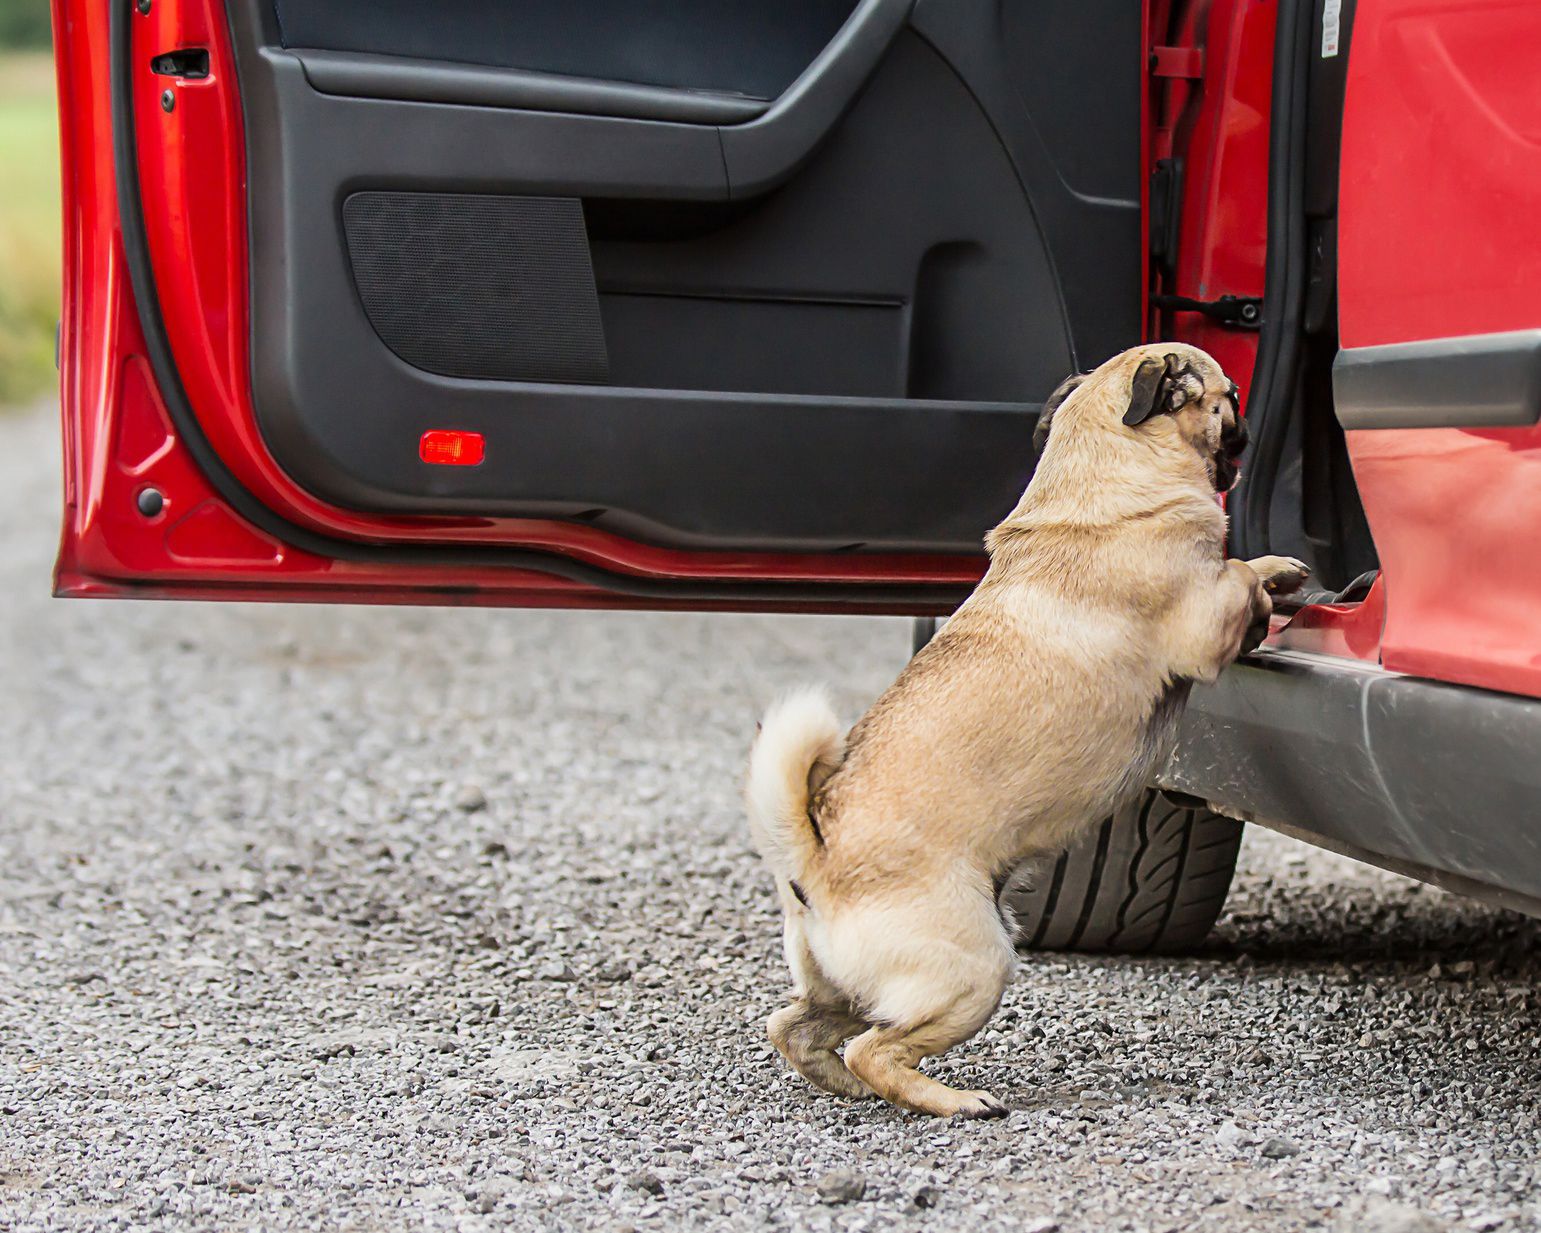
(1437, 781)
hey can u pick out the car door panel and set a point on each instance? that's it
(870, 480)
(834, 378)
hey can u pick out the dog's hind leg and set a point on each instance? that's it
(820, 1019)
(926, 1012)
(807, 1034)
(885, 1059)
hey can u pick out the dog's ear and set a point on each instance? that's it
(1061, 392)
(1155, 387)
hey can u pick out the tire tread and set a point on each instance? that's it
(1151, 879)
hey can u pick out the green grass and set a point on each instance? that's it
(29, 226)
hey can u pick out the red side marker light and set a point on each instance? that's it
(449, 447)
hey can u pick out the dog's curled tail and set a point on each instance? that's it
(801, 743)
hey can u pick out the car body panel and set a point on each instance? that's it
(1442, 133)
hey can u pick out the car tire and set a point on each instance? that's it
(1150, 880)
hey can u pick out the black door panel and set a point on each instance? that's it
(1054, 78)
(853, 359)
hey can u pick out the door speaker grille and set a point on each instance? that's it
(476, 285)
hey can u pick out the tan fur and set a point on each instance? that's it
(1035, 711)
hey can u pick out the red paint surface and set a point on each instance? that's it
(1442, 142)
(1344, 631)
(1219, 127)
(1441, 193)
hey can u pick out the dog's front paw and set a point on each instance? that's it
(979, 1105)
(1280, 575)
(1257, 628)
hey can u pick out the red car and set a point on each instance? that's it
(588, 303)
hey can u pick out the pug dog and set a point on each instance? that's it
(1044, 703)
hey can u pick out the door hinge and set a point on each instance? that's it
(1245, 312)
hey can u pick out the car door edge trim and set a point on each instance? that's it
(191, 436)
(1475, 381)
(1275, 372)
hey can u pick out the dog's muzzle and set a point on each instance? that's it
(1228, 461)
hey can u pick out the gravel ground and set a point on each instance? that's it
(333, 918)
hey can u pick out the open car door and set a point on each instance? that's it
(580, 302)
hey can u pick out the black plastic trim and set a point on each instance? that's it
(761, 143)
(360, 75)
(750, 47)
(595, 153)
(861, 596)
(557, 152)
(763, 153)
(1091, 239)
(1285, 279)
(1425, 777)
(1479, 381)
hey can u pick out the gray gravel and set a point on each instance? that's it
(372, 919)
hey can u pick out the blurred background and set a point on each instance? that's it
(29, 204)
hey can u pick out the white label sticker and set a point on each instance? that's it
(1332, 15)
